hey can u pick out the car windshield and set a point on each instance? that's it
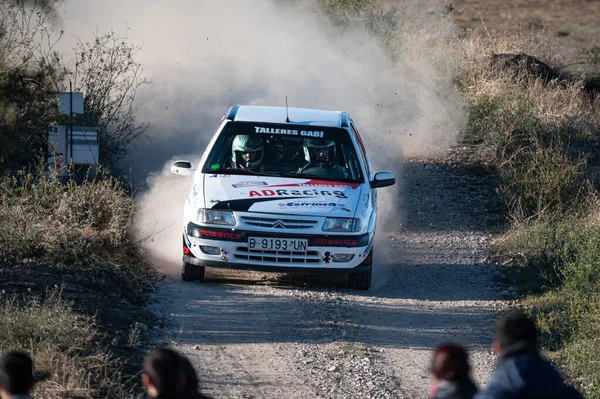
(285, 150)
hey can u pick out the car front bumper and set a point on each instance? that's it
(275, 269)
(232, 252)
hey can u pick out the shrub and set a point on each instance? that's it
(566, 255)
(541, 135)
(64, 345)
(44, 323)
(568, 323)
(539, 177)
(564, 252)
(579, 360)
(85, 224)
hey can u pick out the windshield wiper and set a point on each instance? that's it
(298, 174)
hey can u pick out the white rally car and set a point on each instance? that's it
(282, 190)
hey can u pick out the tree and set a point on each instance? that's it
(108, 74)
(30, 76)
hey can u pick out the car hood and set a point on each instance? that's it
(281, 195)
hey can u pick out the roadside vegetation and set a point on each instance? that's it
(73, 290)
(540, 129)
(537, 128)
(73, 283)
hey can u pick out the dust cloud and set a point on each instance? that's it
(204, 56)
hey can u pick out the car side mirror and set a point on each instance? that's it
(383, 179)
(182, 168)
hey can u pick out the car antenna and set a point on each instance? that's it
(287, 113)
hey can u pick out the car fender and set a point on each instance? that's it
(186, 212)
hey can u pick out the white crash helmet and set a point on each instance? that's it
(319, 151)
(247, 144)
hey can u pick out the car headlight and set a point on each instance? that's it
(342, 224)
(210, 216)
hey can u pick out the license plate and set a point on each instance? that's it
(277, 244)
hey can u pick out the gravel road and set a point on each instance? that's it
(261, 335)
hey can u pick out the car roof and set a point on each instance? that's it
(297, 116)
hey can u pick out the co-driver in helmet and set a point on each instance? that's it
(247, 153)
(320, 155)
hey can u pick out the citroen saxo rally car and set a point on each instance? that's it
(282, 190)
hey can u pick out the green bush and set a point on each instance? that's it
(581, 275)
(568, 322)
(580, 361)
(493, 121)
(566, 255)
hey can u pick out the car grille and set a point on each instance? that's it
(242, 253)
(278, 223)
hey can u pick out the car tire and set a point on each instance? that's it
(361, 281)
(191, 272)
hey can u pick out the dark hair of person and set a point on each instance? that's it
(190, 378)
(516, 327)
(162, 368)
(16, 373)
(450, 362)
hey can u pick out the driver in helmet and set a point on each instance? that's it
(320, 155)
(247, 153)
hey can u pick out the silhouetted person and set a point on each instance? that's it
(162, 374)
(16, 376)
(522, 372)
(452, 372)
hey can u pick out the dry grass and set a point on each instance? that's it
(65, 347)
(77, 236)
(44, 323)
(542, 133)
(83, 225)
(483, 80)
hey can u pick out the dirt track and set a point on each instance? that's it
(257, 335)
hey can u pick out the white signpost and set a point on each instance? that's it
(67, 143)
(84, 150)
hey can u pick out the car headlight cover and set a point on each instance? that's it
(210, 216)
(342, 224)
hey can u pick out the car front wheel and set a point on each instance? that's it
(191, 272)
(362, 280)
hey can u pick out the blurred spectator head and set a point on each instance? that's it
(16, 374)
(189, 378)
(161, 373)
(515, 327)
(450, 362)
